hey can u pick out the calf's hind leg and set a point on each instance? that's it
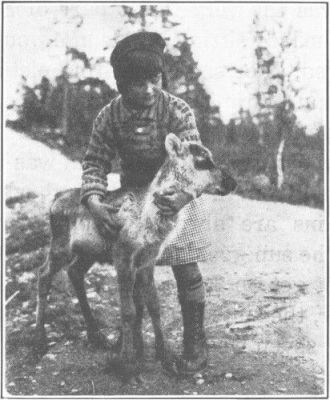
(54, 262)
(76, 271)
(139, 309)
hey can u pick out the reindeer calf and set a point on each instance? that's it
(76, 243)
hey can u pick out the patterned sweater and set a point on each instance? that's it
(138, 137)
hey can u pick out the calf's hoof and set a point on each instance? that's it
(168, 359)
(188, 367)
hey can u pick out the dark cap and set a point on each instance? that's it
(145, 41)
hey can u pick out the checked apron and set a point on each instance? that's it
(139, 139)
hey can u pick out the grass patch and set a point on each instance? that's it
(27, 234)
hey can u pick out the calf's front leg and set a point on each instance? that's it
(126, 363)
(144, 265)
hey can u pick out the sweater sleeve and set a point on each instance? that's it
(97, 161)
(182, 120)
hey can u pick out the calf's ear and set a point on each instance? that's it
(173, 145)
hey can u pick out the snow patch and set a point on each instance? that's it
(32, 166)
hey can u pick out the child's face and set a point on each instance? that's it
(143, 93)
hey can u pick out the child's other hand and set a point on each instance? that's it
(171, 201)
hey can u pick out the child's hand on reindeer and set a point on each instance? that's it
(105, 217)
(171, 200)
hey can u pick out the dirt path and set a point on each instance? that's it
(266, 306)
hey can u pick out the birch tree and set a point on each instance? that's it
(277, 73)
(274, 79)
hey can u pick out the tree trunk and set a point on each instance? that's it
(279, 164)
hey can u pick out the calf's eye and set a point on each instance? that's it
(204, 163)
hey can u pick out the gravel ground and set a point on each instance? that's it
(265, 284)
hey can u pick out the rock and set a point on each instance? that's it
(53, 335)
(62, 383)
(25, 304)
(26, 277)
(11, 384)
(282, 389)
(50, 356)
(74, 390)
(200, 381)
(198, 375)
(228, 375)
(93, 296)
(113, 273)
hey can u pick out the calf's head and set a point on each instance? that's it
(191, 166)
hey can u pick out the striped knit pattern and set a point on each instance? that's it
(138, 137)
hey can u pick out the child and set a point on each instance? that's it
(135, 125)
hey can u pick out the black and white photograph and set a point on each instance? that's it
(164, 199)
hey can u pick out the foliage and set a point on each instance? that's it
(303, 162)
(184, 81)
(182, 69)
(61, 113)
(69, 106)
(42, 111)
(273, 79)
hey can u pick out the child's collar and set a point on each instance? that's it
(129, 111)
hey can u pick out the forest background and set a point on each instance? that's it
(264, 132)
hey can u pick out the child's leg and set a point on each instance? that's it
(191, 295)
